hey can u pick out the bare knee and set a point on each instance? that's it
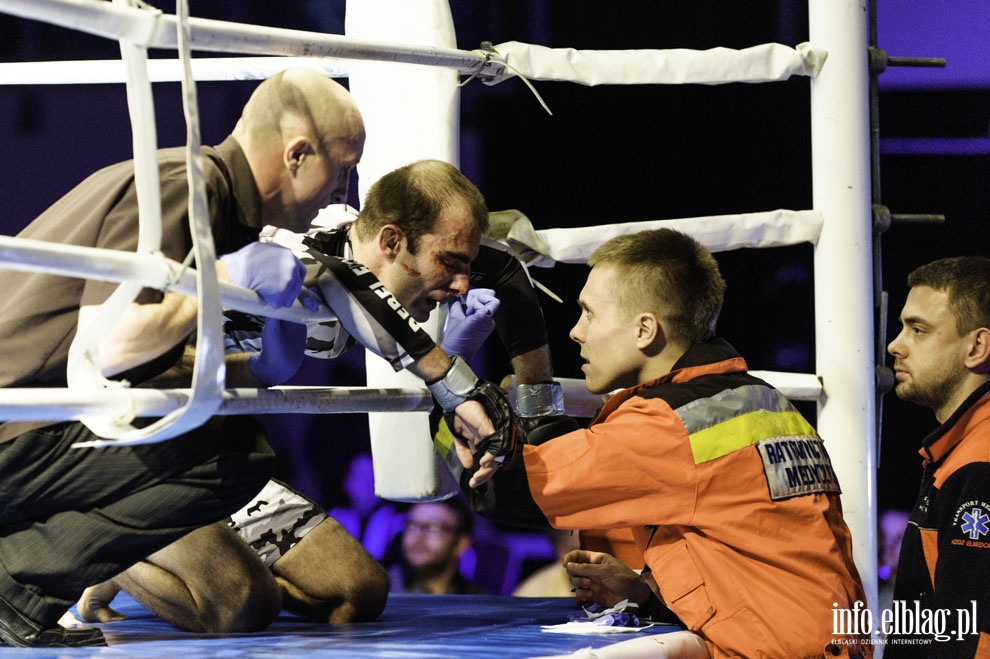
(330, 577)
(248, 606)
(369, 594)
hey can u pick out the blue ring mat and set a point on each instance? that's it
(412, 626)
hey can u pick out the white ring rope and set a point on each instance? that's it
(158, 31)
(763, 63)
(580, 402)
(83, 372)
(86, 72)
(149, 270)
(543, 248)
(62, 404)
(152, 29)
(47, 404)
(719, 233)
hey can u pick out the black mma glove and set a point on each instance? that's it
(534, 430)
(460, 384)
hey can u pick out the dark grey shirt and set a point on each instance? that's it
(39, 312)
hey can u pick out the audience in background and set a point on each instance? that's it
(436, 534)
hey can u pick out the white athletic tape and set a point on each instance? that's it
(763, 63)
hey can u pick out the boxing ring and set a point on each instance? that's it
(383, 62)
(444, 626)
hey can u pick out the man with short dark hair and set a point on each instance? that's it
(942, 361)
(436, 535)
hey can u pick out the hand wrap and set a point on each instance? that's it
(543, 399)
(454, 386)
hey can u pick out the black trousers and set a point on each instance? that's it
(74, 517)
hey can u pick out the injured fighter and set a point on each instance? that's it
(409, 250)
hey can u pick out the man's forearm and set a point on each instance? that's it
(180, 375)
(431, 366)
(144, 331)
(533, 367)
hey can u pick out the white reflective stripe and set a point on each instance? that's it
(729, 404)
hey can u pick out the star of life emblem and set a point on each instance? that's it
(975, 524)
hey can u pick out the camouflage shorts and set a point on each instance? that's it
(276, 519)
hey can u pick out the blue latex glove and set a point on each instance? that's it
(270, 270)
(469, 322)
(282, 345)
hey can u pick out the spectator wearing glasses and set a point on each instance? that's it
(436, 534)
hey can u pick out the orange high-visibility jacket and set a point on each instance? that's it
(731, 497)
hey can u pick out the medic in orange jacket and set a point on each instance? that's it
(730, 495)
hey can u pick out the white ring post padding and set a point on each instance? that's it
(763, 63)
(845, 357)
(88, 72)
(718, 233)
(156, 30)
(410, 113)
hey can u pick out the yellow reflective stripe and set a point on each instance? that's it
(443, 442)
(443, 439)
(745, 430)
(730, 403)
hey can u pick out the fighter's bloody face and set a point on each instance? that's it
(440, 268)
